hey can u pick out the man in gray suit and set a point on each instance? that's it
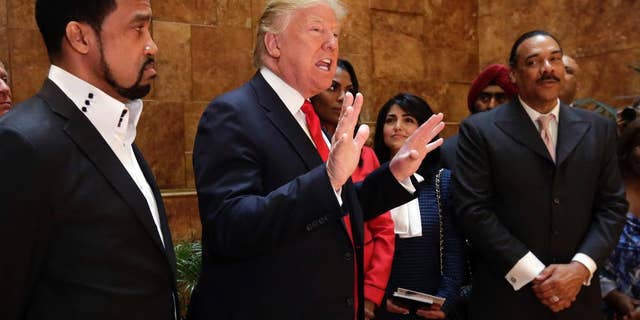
(538, 194)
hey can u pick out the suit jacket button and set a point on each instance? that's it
(556, 201)
(556, 232)
(348, 302)
(512, 279)
(348, 256)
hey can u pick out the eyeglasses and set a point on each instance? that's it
(486, 97)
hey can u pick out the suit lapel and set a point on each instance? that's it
(516, 123)
(164, 224)
(284, 121)
(95, 148)
(571, 129)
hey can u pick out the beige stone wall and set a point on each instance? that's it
(432, 48)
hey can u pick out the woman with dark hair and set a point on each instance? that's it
(429, 248)
(378, 232)
(620, 276)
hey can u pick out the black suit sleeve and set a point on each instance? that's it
(474, 194)
(610, 205)
(240, 216)
(24, 222)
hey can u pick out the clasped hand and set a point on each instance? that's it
(558, 284)
(345, 148)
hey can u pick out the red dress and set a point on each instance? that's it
(379, 239)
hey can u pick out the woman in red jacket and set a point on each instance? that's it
(379, 238)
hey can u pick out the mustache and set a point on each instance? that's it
(548, 76)
(150, 61)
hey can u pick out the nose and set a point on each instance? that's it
(4, 88)
(493, 102)
(341, 96)
(332, 42)
(547, 66)
(151, 48)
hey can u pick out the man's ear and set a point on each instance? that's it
(271, 43)
(78, 36)
(512, 75)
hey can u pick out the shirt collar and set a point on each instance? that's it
(291, 98)
(533, 114)
(112, 118)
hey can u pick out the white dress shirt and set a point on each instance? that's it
(116, 122)
(529, 266)
(293, 100)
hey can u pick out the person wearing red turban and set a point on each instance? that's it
(491, 88)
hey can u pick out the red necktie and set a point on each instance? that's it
(313, 124)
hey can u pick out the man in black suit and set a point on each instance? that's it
(539, 195)
(282, 230)
(83, 231)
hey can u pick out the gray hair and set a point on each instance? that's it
(275, 19)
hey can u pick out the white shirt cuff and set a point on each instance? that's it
(408, 185)
(588, 263)
(339, 196)
(524, 271)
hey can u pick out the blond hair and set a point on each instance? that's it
(275, 19)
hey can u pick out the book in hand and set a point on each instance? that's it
(414, 300)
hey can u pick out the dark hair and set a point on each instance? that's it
(53, 16)
(415, 107)
(513, 56)
(629, 139)
(346, 65)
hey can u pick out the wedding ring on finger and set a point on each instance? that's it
(554, 299)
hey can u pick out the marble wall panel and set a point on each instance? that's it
(221, 60)
(189, 175)
(4, 48)
(21, 14)
(355, 32)
(607, 77)
(397, 46)
(29, 62)
(498, 31)
(406, 6)
(257, 6)
(455, 102)
(451, 25)
(234, 13)
(160, 137)
(606, 26)
(189, 11)
(3, 14)
(192, 113)
(182, 216)
(491, 7)
(450, 65)
(173, 61)
(450, 129)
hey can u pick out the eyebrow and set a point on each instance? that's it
(141, 17)
(537, 54)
